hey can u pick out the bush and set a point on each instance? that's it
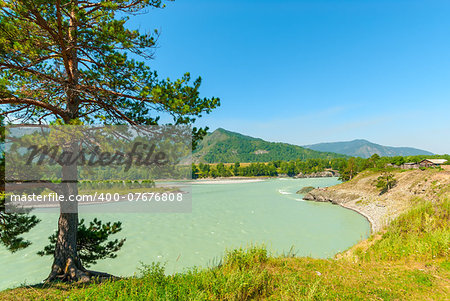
(92, 241)
(305, 190)
(385, 182)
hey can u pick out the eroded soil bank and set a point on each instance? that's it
(361, 195)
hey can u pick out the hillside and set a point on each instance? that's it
(365, 149)
(229, 147)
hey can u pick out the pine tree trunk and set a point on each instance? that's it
(67, 265)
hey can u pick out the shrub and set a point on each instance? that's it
(305, 190)
(385, 182)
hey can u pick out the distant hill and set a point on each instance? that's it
(229, 147)
(365, 149)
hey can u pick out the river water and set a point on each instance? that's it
(224, 216)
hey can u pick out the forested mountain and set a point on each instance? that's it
(229, 147)
(365, 149)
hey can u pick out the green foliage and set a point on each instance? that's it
(195, 171)
(235, 169)
(305, 190)
(270, 169)
(109, 86)
(197, 135)
(350, 170)
(385, 182)
(92, 241)
(373, 162)
(12, 225)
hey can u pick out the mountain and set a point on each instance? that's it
(229, 147)
(365, 149)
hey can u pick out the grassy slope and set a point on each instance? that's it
(408, 260)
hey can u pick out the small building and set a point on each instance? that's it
(432, 162)
(409, 165)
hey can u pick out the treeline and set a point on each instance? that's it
(347, 167)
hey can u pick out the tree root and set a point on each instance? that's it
(76, 273)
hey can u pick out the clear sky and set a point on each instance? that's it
(315, 71)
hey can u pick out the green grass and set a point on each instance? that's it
(423, 233)
(245, 278)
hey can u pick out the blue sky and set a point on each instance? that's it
(315, 71)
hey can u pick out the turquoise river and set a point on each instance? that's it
(224, 216)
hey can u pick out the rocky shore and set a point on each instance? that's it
(373, 212)
(319, 174)
(361, 195)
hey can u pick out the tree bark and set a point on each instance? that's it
(67, 265)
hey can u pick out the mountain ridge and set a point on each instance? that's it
(364, 148)
(224, 146)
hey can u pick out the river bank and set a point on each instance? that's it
(320, 174)
(361, 195)
(229, 180)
